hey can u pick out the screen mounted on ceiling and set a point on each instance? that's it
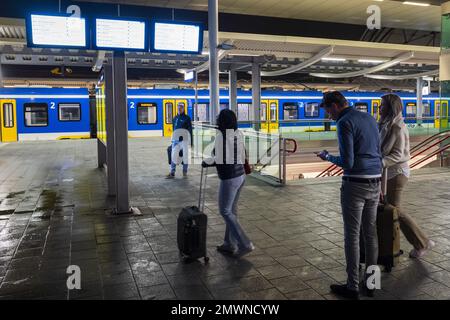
(120, 34)
(56, 31)
(176, 37)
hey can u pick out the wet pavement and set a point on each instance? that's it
(53, 213)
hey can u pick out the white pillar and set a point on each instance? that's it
(419, 101)
(232, 87)
(213, 30)
(256, 95)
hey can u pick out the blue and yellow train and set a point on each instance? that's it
(63, 113)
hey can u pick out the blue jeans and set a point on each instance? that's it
(229, 191)
(359, 203)
(173, 165)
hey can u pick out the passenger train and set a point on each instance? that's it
(64, 113)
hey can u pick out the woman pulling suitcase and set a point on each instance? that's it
(395, 150)
(231, 172)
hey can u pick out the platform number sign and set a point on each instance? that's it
(74, 10)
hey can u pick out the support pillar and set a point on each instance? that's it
(121, 132)
(444, 66)
(110, 130)
(232, 87)
(256, 95)
(213, 30)
(419, 105)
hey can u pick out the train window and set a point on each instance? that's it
(263, 111)
(273, 111)
(224, 106)
(243, 110)
(411, 109)
(290, 111)
(69, 111)
(146, 113)
(426, 109)
(362, 106)
(8, 115)
(203, 112)
(36, 114)
(311, 110)
(168, 112)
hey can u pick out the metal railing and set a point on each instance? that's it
(268, 150)
(418, 150)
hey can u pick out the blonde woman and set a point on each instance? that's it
(395, 151)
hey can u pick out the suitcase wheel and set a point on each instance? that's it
(206, 260)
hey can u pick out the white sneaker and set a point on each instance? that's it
(243, 251)
(416, 254)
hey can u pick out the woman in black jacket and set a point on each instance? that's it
(230, 169)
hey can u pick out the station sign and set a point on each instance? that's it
(119, 34)
(188, 76)
(57, 31)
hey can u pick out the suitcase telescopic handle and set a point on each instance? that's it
(384, 182)
(201, 195)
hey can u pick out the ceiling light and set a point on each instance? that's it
(370, 61)
(422, 4)
(333, 59)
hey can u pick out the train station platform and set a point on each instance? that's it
(53, 213)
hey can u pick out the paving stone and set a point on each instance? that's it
(297, 230)
(289, 284)
(307, 294)
(158, 292)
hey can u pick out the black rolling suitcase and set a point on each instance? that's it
(388, 231)
(192, 223)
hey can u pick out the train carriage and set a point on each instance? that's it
(63, 113)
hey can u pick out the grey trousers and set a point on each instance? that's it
(359, 202)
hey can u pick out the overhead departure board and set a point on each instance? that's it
(56, 31)
(176, 37)
(115, 34)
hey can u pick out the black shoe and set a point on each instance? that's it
(343, 291)
(370, 292)
(225, 250)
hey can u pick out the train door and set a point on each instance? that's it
(441, 114)
(8, 119)
(170, 110)
(272, 111)
(376, 109)
(263, 115)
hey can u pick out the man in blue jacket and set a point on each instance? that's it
(181, 121)
(360, 158)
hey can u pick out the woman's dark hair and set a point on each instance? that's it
(227, 120)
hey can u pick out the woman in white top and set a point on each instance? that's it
(395, 150)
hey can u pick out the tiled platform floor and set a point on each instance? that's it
(52, 214)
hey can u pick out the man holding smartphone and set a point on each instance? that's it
(360, 158)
